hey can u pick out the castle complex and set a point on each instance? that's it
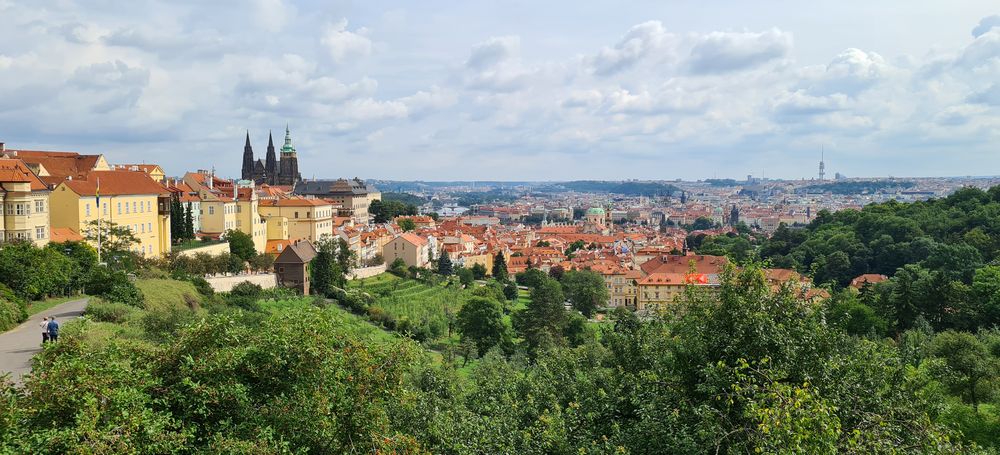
(272, 171)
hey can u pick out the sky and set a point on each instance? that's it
(513, 90)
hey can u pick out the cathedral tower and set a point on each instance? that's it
(271, 162)
(288, 174)
(247, 171)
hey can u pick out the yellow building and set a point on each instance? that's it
(307, 219)
(411, 248)
(659, 290)
(226, 205)
(155, 172)
(129, 199)
(353, 196)
(25, 204)
(623, 286)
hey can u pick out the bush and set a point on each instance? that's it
(398, 267)
(202, 286)
(13, 310)
(125, 292)
(102, 311)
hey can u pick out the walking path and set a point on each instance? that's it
(18, 345)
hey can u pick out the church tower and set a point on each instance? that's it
(289, 172)
(271, 162)
(247, 173)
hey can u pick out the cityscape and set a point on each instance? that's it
(699, 236)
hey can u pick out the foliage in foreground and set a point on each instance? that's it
(757, 371)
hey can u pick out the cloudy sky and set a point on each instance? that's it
(516, 90)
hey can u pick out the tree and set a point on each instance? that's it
(116, 243)
(189, 222)
(445, 267)
(240, 244)
(510, 291)
(557, 272)
(541, 322)
(345, 256)
(406, 224)
(586, 290)
(969, 365)
(530, 277)
(479, 271)
(465, 276)
(325, 270)
(176, 218)
(500, 267)
(481, 320)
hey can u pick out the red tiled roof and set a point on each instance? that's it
(59, 235)
(295, 202)
(414, 238)
(116, 183)
(60, 165)
(682, 264)
(12, 170)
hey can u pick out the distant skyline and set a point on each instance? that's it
(517, 91)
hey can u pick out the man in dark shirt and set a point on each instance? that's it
(53, 330)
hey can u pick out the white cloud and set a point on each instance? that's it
(493, 52)
(344, 44)
(273, 15)
(722, 52)
(986, 24)
(640, 41)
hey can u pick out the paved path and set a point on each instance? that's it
(18, 345)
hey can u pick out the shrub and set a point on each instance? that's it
(202, 286)
(101, 311)
(13, 310)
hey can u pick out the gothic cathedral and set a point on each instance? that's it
(272, 171)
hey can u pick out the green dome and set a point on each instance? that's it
(595, 211)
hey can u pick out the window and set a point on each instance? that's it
(211, 210)
(143, 228)
(149, 208)
(133, 208)
(19, 209)
(149, 227)
(126, 208)
(142, 209)
(40, 232)
(86, 208)
(104, 207)
(119, 208)
(39, 206)
(296, 214)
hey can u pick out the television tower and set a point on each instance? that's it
(822, 166)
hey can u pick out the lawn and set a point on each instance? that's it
(161, 294)
(349, 322)
(193, 244)
(421, 310)
(39, 306)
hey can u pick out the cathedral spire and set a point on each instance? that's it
(247, 170)
(287, 148)
(270, 161)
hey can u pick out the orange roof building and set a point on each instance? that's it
(27, 202)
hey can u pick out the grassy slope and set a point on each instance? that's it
(351, 323)
(166, 294)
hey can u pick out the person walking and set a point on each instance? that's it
(45, 329)
(53, 330)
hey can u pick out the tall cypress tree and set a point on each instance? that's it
(445, 266)
(500, 267)
(176, 219)
(189, 223)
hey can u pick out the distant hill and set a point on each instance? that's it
(857, 187)
(628, 188)
(406, 198)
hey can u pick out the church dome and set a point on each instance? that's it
(595, 211)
